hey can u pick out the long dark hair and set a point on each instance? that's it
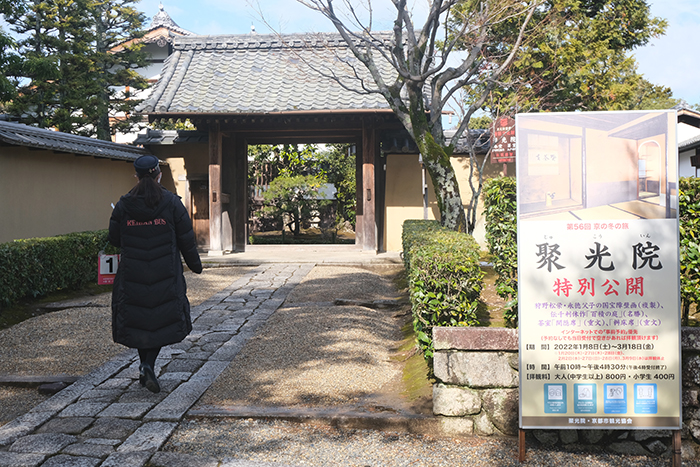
(149, 188)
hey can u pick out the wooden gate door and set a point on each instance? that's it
(199, 194)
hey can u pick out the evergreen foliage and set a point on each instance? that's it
(500, 209)
(577, 56)
(37, 266)
(296, 196)
(340, 168)
(68, 76)
(335, 164)
(444, 276)
(689, 217)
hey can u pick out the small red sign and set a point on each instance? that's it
(503, 140)
(107, 268)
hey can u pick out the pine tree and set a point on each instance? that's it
(8, 58)
(71, 80)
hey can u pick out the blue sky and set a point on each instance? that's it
(668, 61)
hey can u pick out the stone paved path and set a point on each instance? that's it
(107, 419)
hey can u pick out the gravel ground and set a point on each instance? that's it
(74, 341)
(305, 445)
(311, 353)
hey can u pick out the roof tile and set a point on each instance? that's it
(261, 74)
(29, 136)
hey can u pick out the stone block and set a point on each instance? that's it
(16, 459)
(656, 447)
(103, 441)
(123, 459)
(211, 347)
(149, 437)
(475, 338)
(690, 338)
(194, 354)
(88, 450)
(502, 407)
(103, 395)
(178, 402)
(546, 437)
(210, 371)
(694, 428)
(691, 370)
(642, 435)
(568, 436)
(133, 410)
(454, 401)
(83, 409)
(64, 398)
(115, 383)
(184, 345)
(139, 394)
(229, 350)
(629, 448)
(483, 425)
(457, 426)
(475, 369)
(112, 428)
(64, 460)
(591, 436)
(22, 425)
(175, 376)
(688, 450)
(184, 365)
(44, 443)
(71, 426)
(690, 398)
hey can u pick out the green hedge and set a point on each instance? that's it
(500, 209)
(444, 278)
(37, 266)
(689, 216)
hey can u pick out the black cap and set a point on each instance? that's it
(146, 165)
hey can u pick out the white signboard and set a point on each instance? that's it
(598, 264)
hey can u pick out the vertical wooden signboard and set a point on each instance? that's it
(599, 292)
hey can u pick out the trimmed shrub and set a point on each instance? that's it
(444, 278)
(500, 208)
(37, 266)
(689, 216)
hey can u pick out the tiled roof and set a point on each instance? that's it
(688, 144)
(16, 134)
(261, 74)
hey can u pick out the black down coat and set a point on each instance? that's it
(149, 302)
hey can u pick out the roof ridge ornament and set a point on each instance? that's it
(163, 20)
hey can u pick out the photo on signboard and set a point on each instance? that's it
(597, 165)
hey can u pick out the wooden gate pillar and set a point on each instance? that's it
(240, 194)
(215, 190)
(368, 195)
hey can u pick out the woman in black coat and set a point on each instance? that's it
(149, 300)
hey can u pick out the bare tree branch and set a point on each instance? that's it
(421, 64)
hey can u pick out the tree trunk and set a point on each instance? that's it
(436, 158)
(447, 195)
